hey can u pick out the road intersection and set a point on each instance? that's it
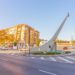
(37, 65)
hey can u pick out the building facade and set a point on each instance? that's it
(63, 45)
(24, 35)
(42, 42)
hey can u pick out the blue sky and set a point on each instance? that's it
(43, 15)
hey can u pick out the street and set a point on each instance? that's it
(37, 65)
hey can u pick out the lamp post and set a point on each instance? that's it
(55, 47)
(29, 40)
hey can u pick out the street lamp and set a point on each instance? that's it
(29, 40)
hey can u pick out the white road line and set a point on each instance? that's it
(32, 57)
(50, 73)
(42, 58)
(68, 61)
(53, 59)
(70, 58)
(11, 54)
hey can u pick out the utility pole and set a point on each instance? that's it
(29, 40)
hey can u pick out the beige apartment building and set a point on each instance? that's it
(24, 35)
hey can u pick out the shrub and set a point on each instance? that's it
(15, 43)
(45, 53)
(66, 52)
(38, 53)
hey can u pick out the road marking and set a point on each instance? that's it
(50, 73)
(71, 58)
(42, 58)
(65, 60)
(32, 57)
(53, 59)
(11, 54)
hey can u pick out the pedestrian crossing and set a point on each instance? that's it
(65, 60)
(72, 58)
(61, 59)
(51, 58)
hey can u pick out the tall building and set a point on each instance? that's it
(24, 35)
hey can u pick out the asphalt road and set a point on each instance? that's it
(26, 65)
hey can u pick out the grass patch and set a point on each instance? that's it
(45, 53)
(53, 53)
(38, 53)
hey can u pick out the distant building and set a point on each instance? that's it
(42, 41)
(24, 35)
(63, 45)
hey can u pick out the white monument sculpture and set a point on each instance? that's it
(50, 45)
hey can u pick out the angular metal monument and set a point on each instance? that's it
(50, 45)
